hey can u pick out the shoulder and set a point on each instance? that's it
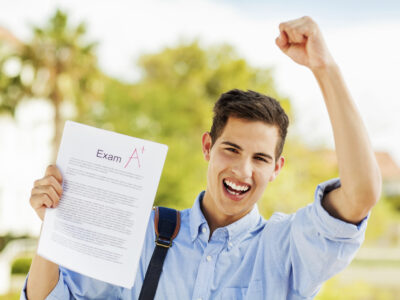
(278, 229)
(278, 223)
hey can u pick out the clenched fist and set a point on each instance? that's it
(302, 41)
(47, 191)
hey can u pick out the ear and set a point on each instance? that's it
(278, 167)
(206, 142)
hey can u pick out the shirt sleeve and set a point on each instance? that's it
(320, 245)
(72, 285)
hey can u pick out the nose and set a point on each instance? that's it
(243, 168)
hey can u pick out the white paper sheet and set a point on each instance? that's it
(110, 182)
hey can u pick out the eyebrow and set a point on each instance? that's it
(240, 148)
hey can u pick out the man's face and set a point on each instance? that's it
(241, 163)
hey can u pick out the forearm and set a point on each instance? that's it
(358, 169)
(43, 277)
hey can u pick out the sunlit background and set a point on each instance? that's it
(153, 69)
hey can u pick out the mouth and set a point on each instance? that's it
(235, 188)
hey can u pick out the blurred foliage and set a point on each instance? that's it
(5, 239)
(395, 201)
(384, 224)
(21, 265)
(358, 290)
(294, 187)
(172, 104)
(58, 64)
(11, 296)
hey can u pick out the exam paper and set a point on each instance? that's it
(109, 185)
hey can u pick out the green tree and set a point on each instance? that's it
(58, 64)
(172, 104)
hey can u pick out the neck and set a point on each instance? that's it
(214, 219)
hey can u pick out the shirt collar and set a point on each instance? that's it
(238, 229)
(235, 230)
(197, 218)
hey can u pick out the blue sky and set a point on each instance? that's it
(348, 11)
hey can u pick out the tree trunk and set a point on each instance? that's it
(58, 124)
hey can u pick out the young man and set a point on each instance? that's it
(225, 249)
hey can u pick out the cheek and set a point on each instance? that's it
(263, 175)
(220, 162)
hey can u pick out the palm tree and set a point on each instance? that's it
(58, 64)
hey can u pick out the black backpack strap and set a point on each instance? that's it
(167, 222)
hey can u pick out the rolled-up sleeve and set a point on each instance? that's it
(72, 285)
(329, 226)
(321, 245)
(59, 292)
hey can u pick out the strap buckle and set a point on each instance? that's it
(162, 242)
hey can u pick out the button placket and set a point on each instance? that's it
(206, 270)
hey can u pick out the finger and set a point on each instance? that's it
(39, 200)
(282, 41)
(49, 180)
(295, 36)
(53, 170)
(303, 24)
(299, 30)
(48, 190)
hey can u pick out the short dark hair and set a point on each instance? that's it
(251, 106)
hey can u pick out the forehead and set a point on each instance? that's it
(251, 135)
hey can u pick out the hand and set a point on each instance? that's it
(302, 41)
(47, 191)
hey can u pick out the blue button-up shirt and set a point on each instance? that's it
(285, 257)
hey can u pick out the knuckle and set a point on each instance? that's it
(49, 190)
(46, 197)
(309, 20)
(48, 180)
(44, 180)
(51, 180)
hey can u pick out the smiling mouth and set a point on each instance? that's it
(235, 189)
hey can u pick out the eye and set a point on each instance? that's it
(260, 158)
(232, 150)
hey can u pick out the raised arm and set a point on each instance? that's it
(359, 173)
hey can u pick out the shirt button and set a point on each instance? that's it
(204, 230)
(208, 258)
(230, 244)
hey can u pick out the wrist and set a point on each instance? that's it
(325, 70)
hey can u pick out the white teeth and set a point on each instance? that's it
(233, 193)
(236, 187)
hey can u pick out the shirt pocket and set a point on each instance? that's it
(253, 292)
